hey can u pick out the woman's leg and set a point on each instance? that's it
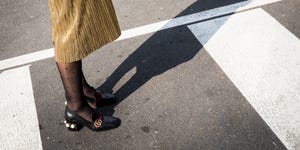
(87, 89)
(71, 75)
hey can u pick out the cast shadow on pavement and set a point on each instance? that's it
(163, 51)
(171, 47)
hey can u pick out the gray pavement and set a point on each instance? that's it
(172, 94)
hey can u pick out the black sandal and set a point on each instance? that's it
(74, 122)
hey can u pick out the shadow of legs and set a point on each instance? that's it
(130, 86)
(114, 78)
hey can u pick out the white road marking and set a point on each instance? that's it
(25, 59)
(19, 124)
(278, 106)
(196, 17)
(262, 58)
(130, 33)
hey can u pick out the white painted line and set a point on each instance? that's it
(19, 123)
(262, 58)
(196, 17)
(130, 33)
(27, 58)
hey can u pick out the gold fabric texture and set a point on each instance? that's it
(79, 27)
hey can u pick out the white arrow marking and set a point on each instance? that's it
(19, 123)
(262, 58)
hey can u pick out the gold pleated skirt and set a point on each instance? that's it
(79, 27)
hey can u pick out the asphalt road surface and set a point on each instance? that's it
(189, 74)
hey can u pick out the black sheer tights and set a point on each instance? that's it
(75, 87)
(87, 89)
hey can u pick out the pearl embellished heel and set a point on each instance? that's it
(72, 125)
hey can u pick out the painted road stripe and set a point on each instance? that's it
(25, 59)
(196, 17)
(130, 33)
(261, 58)
(19, 123)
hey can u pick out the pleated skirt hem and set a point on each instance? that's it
(79, 27)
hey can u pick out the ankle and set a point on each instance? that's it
(75, 106)
(88, 91)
